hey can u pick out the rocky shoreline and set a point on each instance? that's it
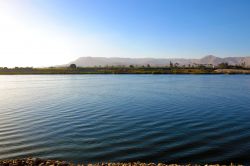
(44, 162)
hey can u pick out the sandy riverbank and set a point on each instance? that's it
(232, 71)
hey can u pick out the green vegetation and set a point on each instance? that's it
(173, 68)
(72, 66)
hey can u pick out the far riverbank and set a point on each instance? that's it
(120, 70)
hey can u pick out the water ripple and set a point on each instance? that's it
(94, 118)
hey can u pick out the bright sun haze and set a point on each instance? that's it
(53, 32)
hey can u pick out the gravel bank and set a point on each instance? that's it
(42, 162)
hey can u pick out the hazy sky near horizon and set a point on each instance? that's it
(52, 32)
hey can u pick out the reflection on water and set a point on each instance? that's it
(93, 118)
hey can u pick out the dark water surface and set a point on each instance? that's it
(150, 118)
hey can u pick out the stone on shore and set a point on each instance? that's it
(42, 162)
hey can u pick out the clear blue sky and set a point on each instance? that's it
(129, 28)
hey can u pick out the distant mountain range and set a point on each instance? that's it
(210, 59)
